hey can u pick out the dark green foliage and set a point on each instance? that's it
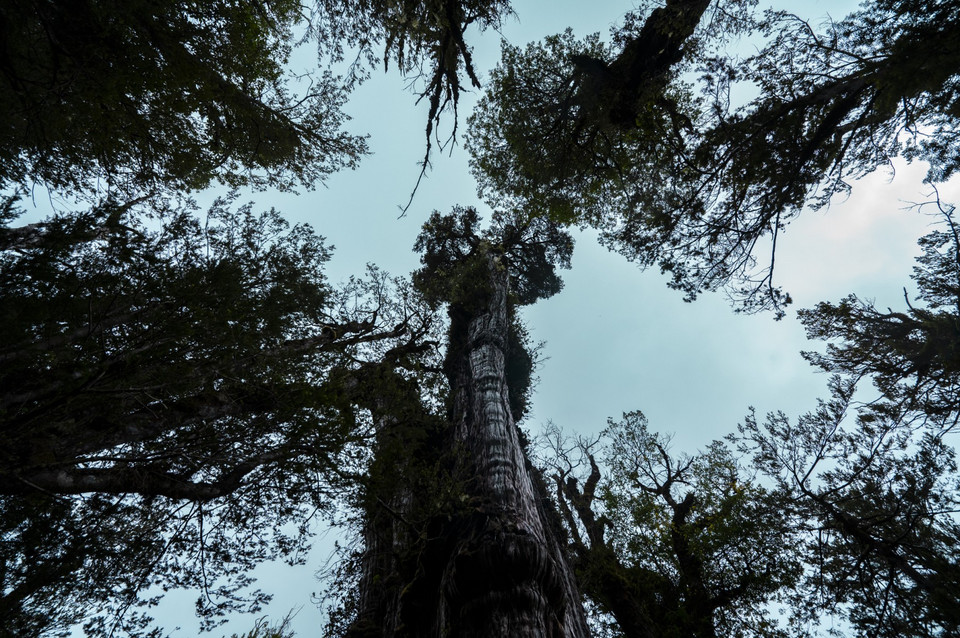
(600, 135)
(680, 176)
(671, 546)
(519, 364)
(876, 481)
(453, 250)
(173, 408)
(913, 355)
(520, 135)
(446, 244)
(533, 248)
(141, 95)
(577, 130)
(834, 104)
(877, 497)
(424, 39)
(98, 305)
(852, 518)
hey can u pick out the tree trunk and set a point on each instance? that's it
(495, 566)
(508, 575)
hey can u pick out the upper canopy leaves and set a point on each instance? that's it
(612, 136)
(136, 95)
(188, 383)
(425, 39)
(912, 355)
(454, 249)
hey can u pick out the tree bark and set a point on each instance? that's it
(509, 575)
(497, 566)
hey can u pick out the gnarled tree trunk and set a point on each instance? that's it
(508, 574)
(495, 566)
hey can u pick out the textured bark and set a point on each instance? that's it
(509, 575)
(387, 534)
(384, 538)
(496, 566)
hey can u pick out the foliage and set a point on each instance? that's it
(877, 499)
(530, 249)
(136, 96)
(850, 519)
(133, 96)
(595, 134)
(454, 257)
(424, 39)
(875, 482)
(833, 105)
(525, 145)
(174, 406)
(678, 175)
(851, 509)
(912, 356)
(521, 361)
(671, 546)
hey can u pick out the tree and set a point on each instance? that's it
(848, 513)
(175, 398)
(677, 174)
(138, 96)
(877, 499)
(910, 355)
(177, 392)
(478, 554)
(666, 545)
(851, 508)
(181, 392)
(876, 480)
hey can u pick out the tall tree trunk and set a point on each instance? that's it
(495, 567)
(509, 575)
(403, 428)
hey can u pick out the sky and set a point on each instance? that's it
(616, 338)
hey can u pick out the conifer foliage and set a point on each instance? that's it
(183, 393)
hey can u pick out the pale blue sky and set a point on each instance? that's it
(617, 339)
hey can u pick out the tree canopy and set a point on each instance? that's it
(663, 155)
(668, 545)
(135, 95)
(182, 391)
(424, 39)
(910, 355)
(848, 510)
(138, 96)
(189, 378)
